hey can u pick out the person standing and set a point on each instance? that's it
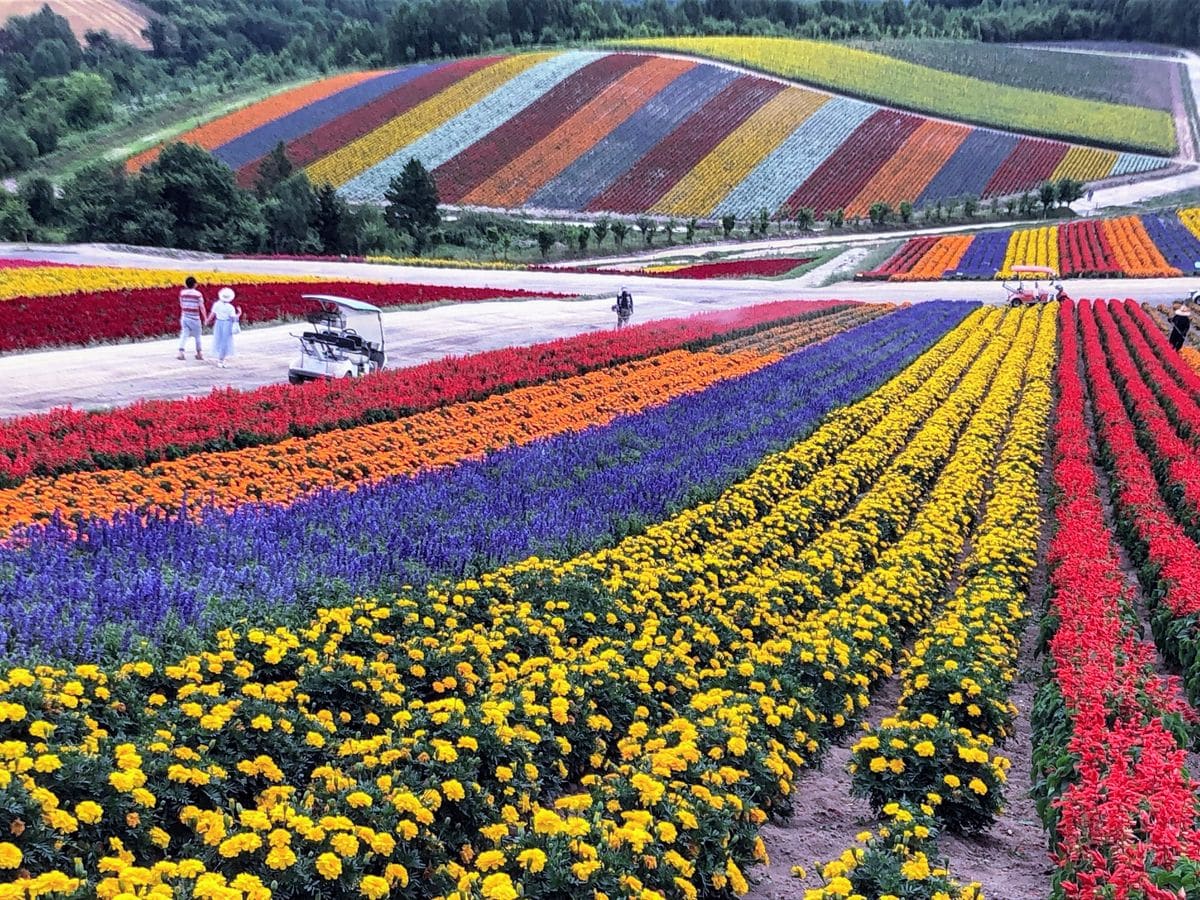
(191, 316)
(224, 318)
(1181, 323)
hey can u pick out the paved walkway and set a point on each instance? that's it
(117, 374)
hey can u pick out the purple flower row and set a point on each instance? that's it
(985, 257)
(1174, 240)
(93, 595)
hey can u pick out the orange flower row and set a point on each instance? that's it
(220, 131)
(909, 171)
(1135, 252)
(284, 471)
(947, 253)
(1191, 356)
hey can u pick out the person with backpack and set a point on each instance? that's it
(624, 307)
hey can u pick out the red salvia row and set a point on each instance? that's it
(70, 440)
(1130, 803)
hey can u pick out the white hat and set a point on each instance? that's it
(226, 294)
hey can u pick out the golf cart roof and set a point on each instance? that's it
(356, 305)
(1035, 270)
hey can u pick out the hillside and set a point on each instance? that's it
(122, 20)
(896, 82)
(629, 133)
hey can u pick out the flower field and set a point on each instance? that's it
(757, 267)
(1153, 245)
(581, 617)
(896, 82)
(630, 133)
(54, 306)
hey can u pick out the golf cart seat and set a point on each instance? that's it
(348, 343)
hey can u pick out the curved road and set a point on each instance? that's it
(117, 374)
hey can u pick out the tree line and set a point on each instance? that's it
(52, 87)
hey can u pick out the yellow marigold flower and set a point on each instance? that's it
(373, 887)
(345, 845)
(978, 786)
(532, 860)
(897, 766)
(498, 886)
(798, 872)
(10, 856)
(916, 869)
(547, 822)
(88, 812)
(329, 866)
(952, 781)
(396, 874)
(489, 859)
(879, 764)
(583, 870)
(925, 748)
(453, 790)
(359, 799)
(315, 739)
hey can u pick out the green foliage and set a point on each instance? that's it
(880, 213)
(1137, 82)
(17, 149)
(728, 223)
(601, 229)
(545, 241)
(412, 204)
(40, 199)
(16, 224)
(619, 230)
(274, 169)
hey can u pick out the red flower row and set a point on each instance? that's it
(70, 440)
(903, 260)
(765, 267)
(1164, 540)
(1083, 250)
(1129, 804)
(31, 323)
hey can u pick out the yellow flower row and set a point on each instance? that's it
(40, 281)
(1085, 164)
(966, 659)
(432, 732)
(1191, 218)
(732, 160)
(1031, 247)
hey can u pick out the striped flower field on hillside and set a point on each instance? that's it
(581, 618)
(630, 133)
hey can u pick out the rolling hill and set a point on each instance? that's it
(631, 133)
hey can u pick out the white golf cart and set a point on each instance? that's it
(345, 341)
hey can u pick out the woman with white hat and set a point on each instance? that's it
(226, 316)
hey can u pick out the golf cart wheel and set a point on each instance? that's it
(1014, 302)
(294, 378)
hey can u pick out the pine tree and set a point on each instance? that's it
(412, 203)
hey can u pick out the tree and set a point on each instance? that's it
(880, 213)
(670, 228)
(336, 224)
(582, 236)
(201, 197)
(970, 206)
(38, 194)
(1047, 196)
(492, 236)
(906, 211)
(274, 169)
(728, 223)
(290, 212)
(17, 150)
(835, 217)
(619, 230)
(601, 230)
(691, 230)
(805, 218)
(15, 222)
(1026, 204)
(764, 220)
(1010, 207)
(412, 204)
(648, 228)
(1069, 190)
(545, 241)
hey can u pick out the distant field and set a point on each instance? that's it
(119, 19)
(897, 82)
(1137, 82)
